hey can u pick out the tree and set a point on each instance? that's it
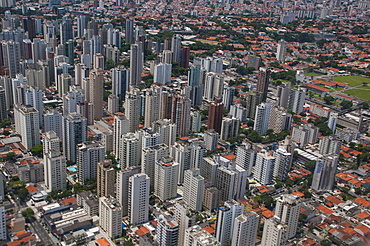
(326, 242)
(346, 104)
(10, 156)
(329, 99)
(5, 123)
(28, 214)
(37, 150)
(22, 193)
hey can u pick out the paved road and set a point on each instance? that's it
(42, 233)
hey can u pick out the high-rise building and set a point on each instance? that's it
(81, 25)
(283, 163)
(184, 57)
(167, 130)
(305, 134)
(228, 96)
(53, 122)
(132, 104)
(209, 170)
(197, 236)
(3, 109)
(211, 139)
(123, 190)
(213, 86)
(64, 81)
(89, 154)
(193, 189)
(72, 98)
(129, 150)
(149, 156)
(136, 63)
(287, 210)
(120, 81)
(138, 198)
(185, 217)
(330, 145)
(165, 182)
(283, 93)
(3, 236)
(74, 132)
(55, 162)
(281, 51)
(274, 233)
(162, 73)
(180, 114)
(11, 56)
(264, 169)
(263, 82)
(296, 100)
(105, 178)
(262, 118)
(280, 120)
(96, 92)
(230, 128)
(324, 174)
(152, 99)
(175, 48)
(332, 122)
(245, 229)
(225, 220)
(66, 30)
(245, 158)
(113, 104)
(252, 100)
(129, 31)
(167, 231)
(27, 124)
(120, 127)
(231, 180)
(110, 214)
(254, 61)
(215, 115)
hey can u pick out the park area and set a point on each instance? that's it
(352, 80)
(360, 93)
(362, 85)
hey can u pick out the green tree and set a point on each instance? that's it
(28, 214)
(329, 99)
(10, 156)
(22, 193)
(109, 64)
(37, 150)
(326, 242)
(346, 104)
(5, 123)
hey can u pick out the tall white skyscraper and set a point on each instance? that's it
(324, 174)
(262, 118)
(132, 112)
(88, 155)
(175, 48)
(225, 220)
(27, 124)
(214, 85)
(110, 214)
(245, 158)
(53, 122)
(274, 233)
(136, 63)
(167, 129)
(264, 169)
(120, 127)
(330, 145)
(283, 163)
(123, 190)
(54, 162)
(74, 132)
(296, 100)
(332, 122)
(138, 198)
(162, 73)
(245, 229)
(11, 56)
(193, 189)
(165, 179)
(167, 231)
(3, 236)
(149, 156)
(152, 100)
(281, 51)
(72, 98)
(129, 150)
(287, 210)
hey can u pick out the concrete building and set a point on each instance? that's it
(167, 130)
(138, 198)
(74, 132)
(113, 103)
(88, 155)
(120, 127)
(330, 145)
(136, 63)
(229, 128)
(131, 105)
(3, 236)
(274, 233)
(105, 178)
(213, 86)
(239, 112)
(27, 124)
(305, 134)
(254, 61)
(280, 120)
(162, 73)
(263, 82)
(287, 210)
(129, 150)
(225, 220)
(122, 193)
(96, 92)
(166, 176)
(281, 51)
(324, 174)
(211, 198)
(55, 162)
(264, 169)
(149, 156)
(332, 122)
(245, 158)
(53, 122)
(211, 139)
(110, 214)
(197, 236)
(215, 115)
(196, 121)
(245, 229)
(185, 217)
(262, 118)
(297, 98)
(167, 231)
(283, 163)
(193, 189)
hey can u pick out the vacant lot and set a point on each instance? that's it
(360, 93)
(352, 80)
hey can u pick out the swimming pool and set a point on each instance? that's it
(72, 169)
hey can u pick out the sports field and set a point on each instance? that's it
(312, 74)
(360, 93)
(352, 80)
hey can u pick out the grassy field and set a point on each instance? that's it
(352, 80)
(208, 41)
(312, 74)
(363, 94)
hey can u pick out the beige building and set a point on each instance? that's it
(105, 178)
